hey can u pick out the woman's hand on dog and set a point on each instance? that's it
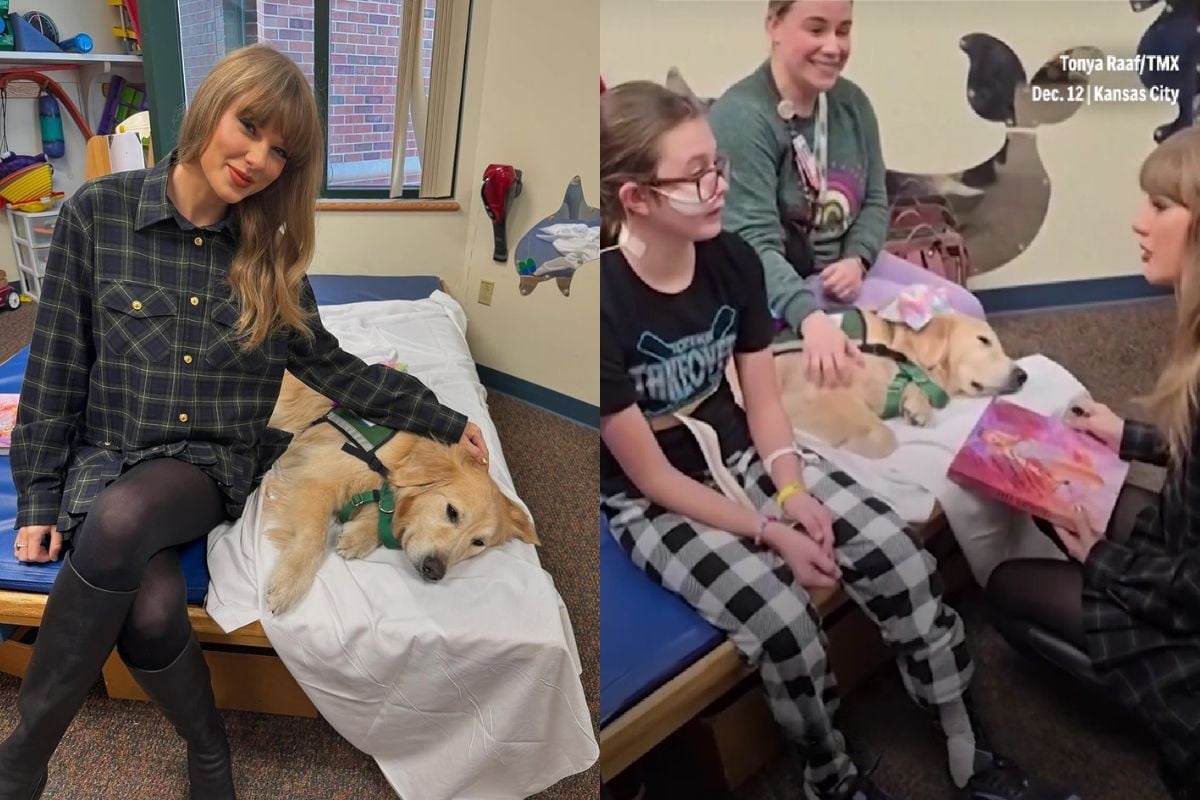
(811, 566)
(472, 439)
(843, 279)
(1098, 420)
(830, 357)
(31, 545)
(807, 512)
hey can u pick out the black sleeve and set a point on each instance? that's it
(378, 393)
(756, 328)
(1143, 442)
(616, 389)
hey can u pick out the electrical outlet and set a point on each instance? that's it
(485, 292)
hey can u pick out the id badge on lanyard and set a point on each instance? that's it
(811, 162)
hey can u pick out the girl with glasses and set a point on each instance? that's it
(679, 301)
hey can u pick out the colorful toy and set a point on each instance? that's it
(9, 296)
(6, 35)
(29, 39)
(130, 30)
(51, 126)
(79, 43)
(43, 24)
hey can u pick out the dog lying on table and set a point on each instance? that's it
(438, 504)
(906, 372)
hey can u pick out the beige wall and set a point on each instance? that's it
(906, 57)
(531, 100)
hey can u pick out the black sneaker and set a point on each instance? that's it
(1001, 779)
(859, 787)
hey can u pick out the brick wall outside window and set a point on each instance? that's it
(364, 47)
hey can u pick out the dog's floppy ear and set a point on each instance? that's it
(426, 463)
(517, 523)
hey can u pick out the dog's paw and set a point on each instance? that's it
(917, 410)
(348, 546)
(282, 595)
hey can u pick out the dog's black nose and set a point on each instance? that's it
(1019, 376)
(433, 568)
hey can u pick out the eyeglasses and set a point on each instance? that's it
(706, 182)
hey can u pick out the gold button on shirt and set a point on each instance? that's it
(183, 417)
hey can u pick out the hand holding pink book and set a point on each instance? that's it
(1041, 465)
(8, 418)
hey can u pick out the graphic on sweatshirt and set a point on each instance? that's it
(844, 191)
(687, 369)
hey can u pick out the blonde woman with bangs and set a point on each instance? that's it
(1130, 597)
(174, 299)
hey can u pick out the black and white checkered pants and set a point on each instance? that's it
(746, 590)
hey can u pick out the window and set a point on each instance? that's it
(388, 77)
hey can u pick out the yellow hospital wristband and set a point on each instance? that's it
(787, 492)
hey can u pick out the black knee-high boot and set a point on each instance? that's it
(183, 691)
(79, 627)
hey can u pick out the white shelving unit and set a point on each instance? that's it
(18, 58)
(82, 76)
(32, 233)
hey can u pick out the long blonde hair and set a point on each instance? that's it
(1172, 171)
(633, 118)
(277, 225)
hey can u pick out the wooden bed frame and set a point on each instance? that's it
(855, 652)
(247, 675)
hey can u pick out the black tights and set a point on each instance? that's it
(128, 542)
(1050, 593)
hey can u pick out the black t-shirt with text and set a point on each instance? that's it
(662, 352)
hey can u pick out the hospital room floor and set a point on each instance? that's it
(123, 749)
(1048, 724)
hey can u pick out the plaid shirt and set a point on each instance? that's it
(1141, 604)
(135, 356)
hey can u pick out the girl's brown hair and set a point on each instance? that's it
(1172, 171)
(277, 225)
(633, 118)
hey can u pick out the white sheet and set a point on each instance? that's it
(912, 477)
(467, 688)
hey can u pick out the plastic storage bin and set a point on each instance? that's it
(32, 233)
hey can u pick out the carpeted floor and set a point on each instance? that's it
(1045, 722)
(122, 749)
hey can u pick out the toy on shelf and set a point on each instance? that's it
(130, 29)
(6, 35)
(79, 43)
(29, 39)
(41, 22)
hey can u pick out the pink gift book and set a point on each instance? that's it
(1040, 465)
(8, 418)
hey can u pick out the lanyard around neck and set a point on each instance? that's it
(820, 146)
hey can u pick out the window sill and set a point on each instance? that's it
(387, 205)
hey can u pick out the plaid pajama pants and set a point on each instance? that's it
(746, 590)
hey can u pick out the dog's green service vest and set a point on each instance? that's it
(364, 439)
(854, 325)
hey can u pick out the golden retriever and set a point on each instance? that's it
(447, 506)
(961, 354)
